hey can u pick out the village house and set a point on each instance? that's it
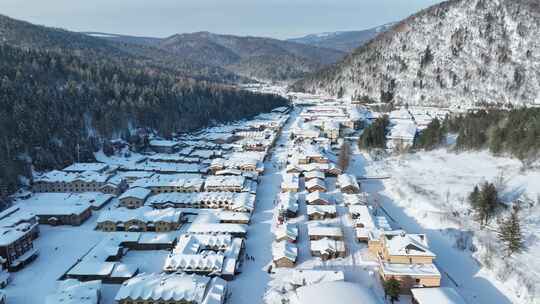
(331, 129)
(286, 232)
(402, 135)
(313, 174)
(316, 185)
(284, 254)
(327, 248)
(154, 288)
(290, 183)
(347, 183)
(166, 183)
(87, 181)
(231, 217)
(321, 212)
(240, 202)
(318, 232)
(363, 221)
(318, 198)
(16, 246)
(439, 295)
(140, 220)
(134, 197)
(287, 206)
(64, 208)
(164, 146)
(131, 176)
(71, 291)
(102, 261)
(215, 183)
(209, 223)
(407, 258)
(212, 255)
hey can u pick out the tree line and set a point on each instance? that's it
(56, 107)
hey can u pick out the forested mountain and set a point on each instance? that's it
(345, 41)
(58, 101)
(27, 35)
(254, 57)
(455, 53)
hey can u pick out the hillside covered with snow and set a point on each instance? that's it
(457, 52)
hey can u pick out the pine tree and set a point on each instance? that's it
(392, 288)
(510, 233)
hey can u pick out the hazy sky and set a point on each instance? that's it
(273, 18)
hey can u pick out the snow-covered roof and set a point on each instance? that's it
(312, 183)
(234, 201)
(72, 291)
(166, 287)
(326, 245)
(144, 214)
(284, 249)
(328, 292)
(317, 195)
(321, 209)
(62, 203)
(56, 176)
(163, 143)
(288, 230)
(408, 245)
(347, 180)
(81, 167)
(405, 130)
(214, 181)
(314, 174)
(416, 270)
(439, 295)
(136, 192)
(301, 277)
(170, 180)
(325, 231)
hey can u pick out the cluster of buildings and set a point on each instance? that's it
(192, 196)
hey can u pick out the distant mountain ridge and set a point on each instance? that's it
(253, 57)
(345, 41)
(460, 52)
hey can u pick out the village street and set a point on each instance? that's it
(249, 287)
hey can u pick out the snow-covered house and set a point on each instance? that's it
(17, 246)
(318, 198)
(284, 254)
(164, 146)
(287, 205)
(316, 185)
(355, 199)
(82, 167)
(165, 183)
(327, 248)
(286, 232)
(214, 255)
(87, 181)
(402, 135)
(407, 258)
(317, 232)
(140, 220)
(172, 289)
(71, 291)
(290, 183)
(321, 212)
(347, 183)
(313, 174)
(134, 197)
(328, 292)
(241, 202)
(214, 183)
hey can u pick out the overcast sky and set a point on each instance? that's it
(161, 18)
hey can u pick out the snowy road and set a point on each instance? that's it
(249, 287)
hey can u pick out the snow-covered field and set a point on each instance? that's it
(427, 193)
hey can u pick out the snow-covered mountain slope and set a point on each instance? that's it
(457, 52)
(345, 41)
